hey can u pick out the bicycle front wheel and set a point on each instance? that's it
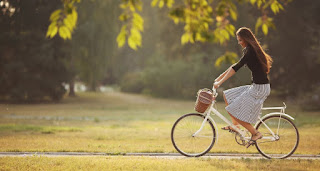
(185, 140)
(285, 140)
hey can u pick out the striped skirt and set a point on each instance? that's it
(245, 102)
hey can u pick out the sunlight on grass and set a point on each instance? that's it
(145, 163)
(42, 129)
(120, 123)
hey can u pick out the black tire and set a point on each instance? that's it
(203, 142)
(287, 140)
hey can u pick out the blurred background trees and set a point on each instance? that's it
(31, 67)
(35, 67)
(296, 50)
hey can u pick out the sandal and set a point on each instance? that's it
(230, 129)
(253, 142)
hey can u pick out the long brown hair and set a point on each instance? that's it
(265, 59)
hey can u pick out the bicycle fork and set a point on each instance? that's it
(202, 125)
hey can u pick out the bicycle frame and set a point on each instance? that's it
(213, 111)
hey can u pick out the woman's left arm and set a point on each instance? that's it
(223, 74)
(230, 72)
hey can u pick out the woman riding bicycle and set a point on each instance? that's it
(244, 103)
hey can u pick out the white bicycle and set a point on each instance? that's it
(194, 134)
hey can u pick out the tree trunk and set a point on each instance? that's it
(71, 88)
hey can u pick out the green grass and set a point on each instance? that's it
(121, 123)
(32, 128)
(145, 163)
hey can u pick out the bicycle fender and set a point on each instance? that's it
(275, 114)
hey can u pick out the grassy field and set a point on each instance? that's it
(144, 163)
(115, 122)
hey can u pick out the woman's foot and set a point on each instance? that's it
(254, 138)
(230, 129)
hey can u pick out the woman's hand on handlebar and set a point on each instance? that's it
(216, 85)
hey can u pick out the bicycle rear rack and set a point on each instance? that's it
(282, 109)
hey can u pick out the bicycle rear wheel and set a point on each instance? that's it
(184, 140)
(285, 141)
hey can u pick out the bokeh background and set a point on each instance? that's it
(84, 92)
(89, 87)
(35, 68)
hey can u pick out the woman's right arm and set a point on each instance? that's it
(223, 74)
(229, 73)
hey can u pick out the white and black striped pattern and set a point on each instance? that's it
(245, 102)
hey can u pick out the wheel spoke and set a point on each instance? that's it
(185, 143)
(286, 137)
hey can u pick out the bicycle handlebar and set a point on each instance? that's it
(214, 92)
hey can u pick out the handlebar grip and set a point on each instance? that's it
(214, 92)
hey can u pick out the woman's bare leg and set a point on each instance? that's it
(234, 121)
(247, 125)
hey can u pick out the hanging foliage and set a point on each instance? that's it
(63, 21)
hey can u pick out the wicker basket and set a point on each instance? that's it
(204, 99)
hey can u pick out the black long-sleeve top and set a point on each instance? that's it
(251, 60)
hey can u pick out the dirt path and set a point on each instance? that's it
(157, 155)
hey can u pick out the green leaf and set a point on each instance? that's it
(219, 61)
(280, 6)
(135, 34)
(121, 38)
(258, 24)
(134, 39)
(231, 29)
(138, 7)
(138, 21)
(274, 8)
(218, 36)
(123, 6)
(123, 17)
(206, 26)
(175, 20)
(53, 24)
(259, 3)
(233, 14)
(200, 38)
(228, 57)
(48, 32)
(54, 31)
(132, 7)
(170, 3)
(132, 43)
(185, 38)
(270, 23)
(225, 34)
(68, 23)
(55, 15)
(74, 15)
(265, 29)
(253, 2)
(154, 3)
(161, 3)
(64, 32)
(221, 8)
(231, 57)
